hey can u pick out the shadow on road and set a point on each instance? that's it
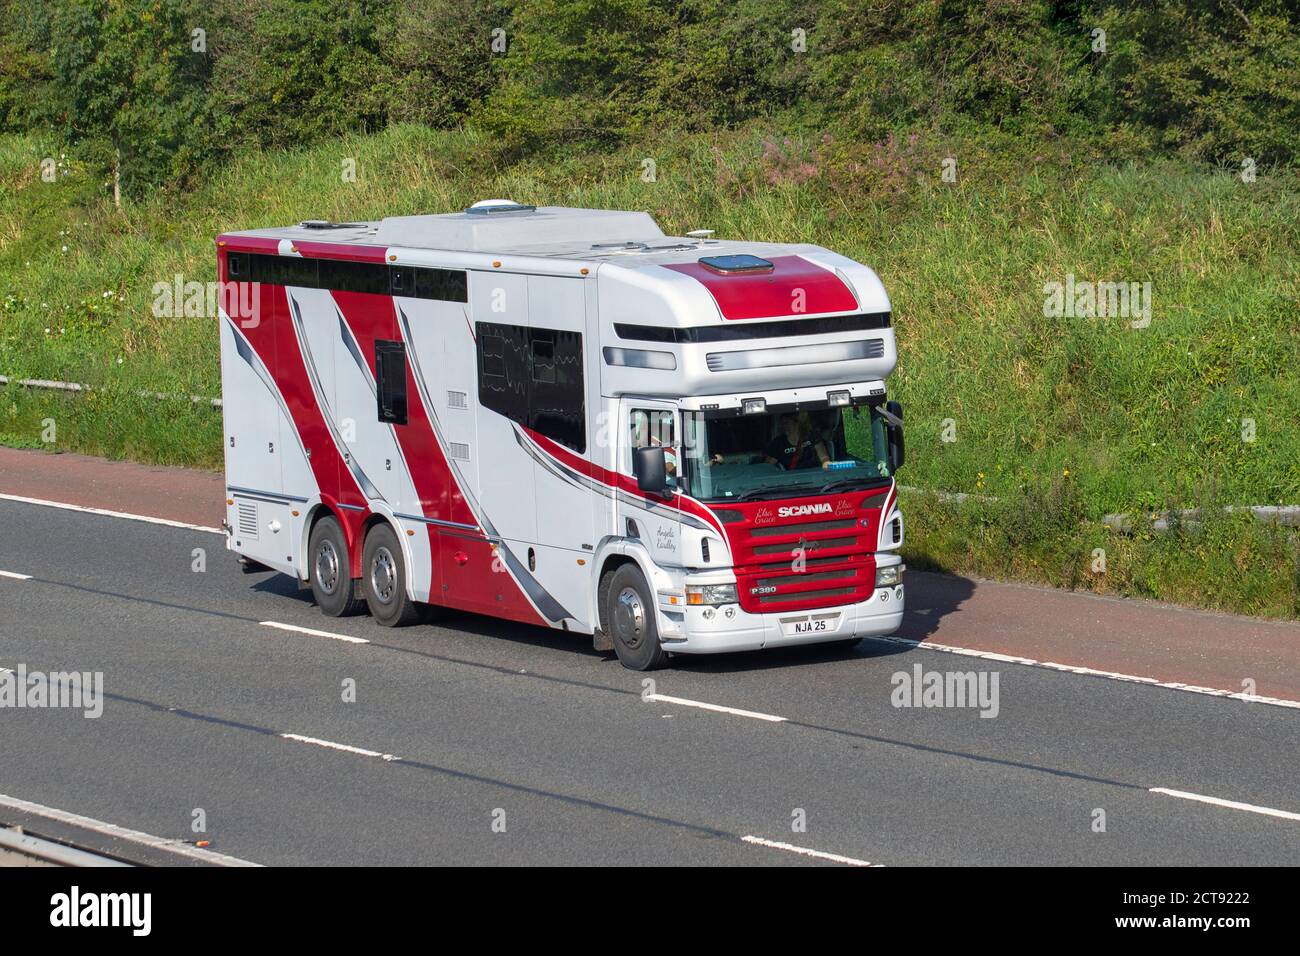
(930, 597)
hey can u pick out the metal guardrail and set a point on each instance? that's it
(1286, 515)
(1124, 523)
(33, 850)
(78, 387)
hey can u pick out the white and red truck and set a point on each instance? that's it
(566, 418)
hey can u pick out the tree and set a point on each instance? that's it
(130, 88)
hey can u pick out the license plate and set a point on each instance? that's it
(810, 624)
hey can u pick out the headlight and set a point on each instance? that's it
(888, 577)
(697, 594)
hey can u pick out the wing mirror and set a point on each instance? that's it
(894, 438)
(650, 469)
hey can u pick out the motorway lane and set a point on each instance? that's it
(489, 715)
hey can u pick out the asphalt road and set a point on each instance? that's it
(485, 742)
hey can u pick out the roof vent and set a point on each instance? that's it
(326, 224)
(743, 264)
(490, 207)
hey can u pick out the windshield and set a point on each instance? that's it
(816, 449)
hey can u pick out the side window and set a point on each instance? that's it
(503, 369)
(344, 276)
(534, 377)
(390, 381)
(654, 427)
(557, 404)
(285, 270)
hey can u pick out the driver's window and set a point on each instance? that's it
(654, 427)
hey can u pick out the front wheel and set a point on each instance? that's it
(383, 579)
(629, 616)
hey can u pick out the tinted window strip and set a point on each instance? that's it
(754, 330)
(340, 275)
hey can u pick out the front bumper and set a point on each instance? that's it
(731, 628)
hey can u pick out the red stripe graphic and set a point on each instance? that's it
(613, 479)
(464, 562)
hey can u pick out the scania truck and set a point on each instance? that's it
(564, 417)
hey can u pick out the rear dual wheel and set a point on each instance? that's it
(383, 579)
(328, 570)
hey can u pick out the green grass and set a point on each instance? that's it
(1062, 420)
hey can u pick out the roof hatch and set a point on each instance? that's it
(740, 264)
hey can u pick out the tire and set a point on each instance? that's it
(629, 615)
(383, 579)
(328, 570)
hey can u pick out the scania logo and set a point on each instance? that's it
(795, 511)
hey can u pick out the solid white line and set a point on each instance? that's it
(360, 751)
(109, 514)
(122, 833)
(15, 576)
(804, 851)
(1230, 804)
(314, 633)
(715, 707)
(1091, 672)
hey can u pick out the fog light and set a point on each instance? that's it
(753, 406)
(889, 576)
(842, 397)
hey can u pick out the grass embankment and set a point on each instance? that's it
(1061, 419)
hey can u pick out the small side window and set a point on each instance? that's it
(390, 381)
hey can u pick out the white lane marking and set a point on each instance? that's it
(804, 851)
(346, 748)
(1230, 804)
(15, 575)
(109, 514)
(122, 833)
(715, 707)
(1090, 672)
(314, 633)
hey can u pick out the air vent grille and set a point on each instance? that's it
(457, 399)
(248, 519)
(458, 449)
(795, 355)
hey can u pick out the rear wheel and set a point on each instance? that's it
(328, 569)
(629, 616)
(383, 579)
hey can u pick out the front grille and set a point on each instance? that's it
(817, 544)
(799, 578)
(769, 599)
(792, 529)
(808, 563)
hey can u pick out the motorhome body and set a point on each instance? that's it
(564, 417)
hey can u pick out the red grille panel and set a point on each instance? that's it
(795, 562)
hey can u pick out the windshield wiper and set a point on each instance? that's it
(846, 484)
(754, 493)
